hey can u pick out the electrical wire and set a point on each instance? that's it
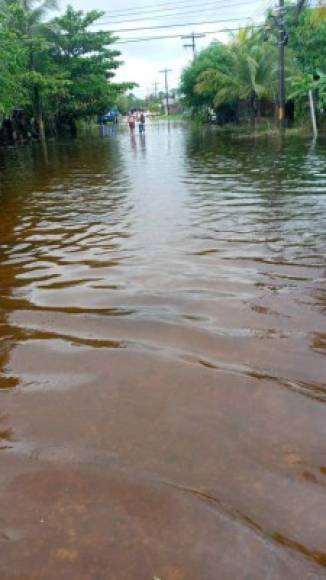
(159, 7)
(211, 6)
(171, 36)
(177, 25)
(158, 12)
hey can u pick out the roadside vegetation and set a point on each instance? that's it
(54, 70)
(237, 82)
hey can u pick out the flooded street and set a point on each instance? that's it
(162, 358)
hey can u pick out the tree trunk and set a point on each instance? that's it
(73, 127)
(38, 113)
(8, 132)
(253, 108)
(37, 105)
(313, 114)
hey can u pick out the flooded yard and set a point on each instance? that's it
(162, 358)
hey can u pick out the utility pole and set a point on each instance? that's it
(300, 5)
(166, 72)
(313, 114)
(281, 64)
(155, 85)
(193, 37)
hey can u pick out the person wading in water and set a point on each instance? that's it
(142, 121)
(131, 121)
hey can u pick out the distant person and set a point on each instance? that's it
(142, 121)
(131, 121)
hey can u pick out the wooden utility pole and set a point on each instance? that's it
(313, 114)
(155, 85)
(281, 64)
(300, 5)
(166, 71)
(193, 37)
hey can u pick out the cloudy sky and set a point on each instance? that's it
(144, 60)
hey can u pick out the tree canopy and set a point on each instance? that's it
(243, 73)
(13, 61)
(56, 69)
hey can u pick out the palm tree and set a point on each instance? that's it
(28, 21)
(248, 73)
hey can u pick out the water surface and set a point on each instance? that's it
(162, 386)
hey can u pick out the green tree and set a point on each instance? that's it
(13, 60)
(307, 39)
(89, 62)
(247, 73)
(57, 70)
(209, 59)
(129, 101)
(26, 20)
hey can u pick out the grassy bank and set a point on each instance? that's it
(247, 130)
(174, 117)
(269, 130)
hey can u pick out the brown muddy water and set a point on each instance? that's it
(162, 401)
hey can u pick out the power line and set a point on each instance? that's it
(159, 7)
(176, 11)
(170, 36)
(180, 12)
(149, 8)
(177, 25)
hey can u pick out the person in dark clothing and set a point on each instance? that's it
(142, 121)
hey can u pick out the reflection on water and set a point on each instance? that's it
(162, 361)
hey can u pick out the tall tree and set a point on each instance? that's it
(307, 40)
(27, 20)
(89, 62)
(247, 73)
(211, 58)
(13, 61)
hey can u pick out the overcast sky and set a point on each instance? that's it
(144, 60)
